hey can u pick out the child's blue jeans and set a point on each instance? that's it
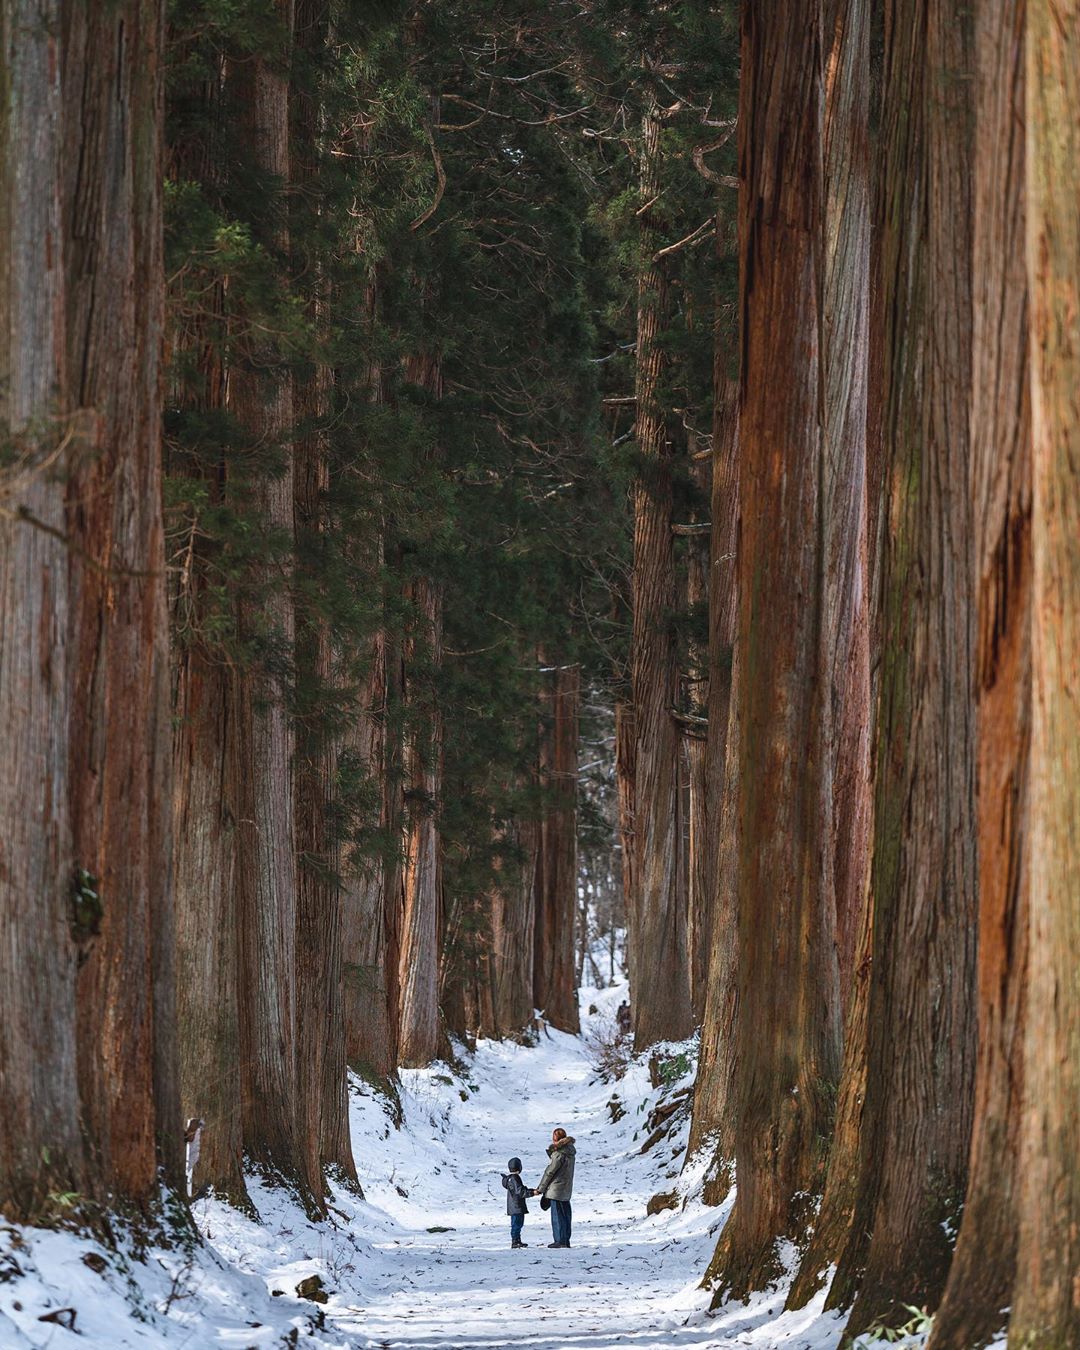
(517, 1222)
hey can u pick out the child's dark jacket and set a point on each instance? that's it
(515, 1193)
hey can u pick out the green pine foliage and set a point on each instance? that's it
(462, 193)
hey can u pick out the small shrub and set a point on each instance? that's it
(671, 1068)
(920, 1324)
(610, 1050)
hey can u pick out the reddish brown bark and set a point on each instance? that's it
(554, 986)
(372, 885)
(984, 1265)
(321, 1100)
(716, 1057)
(513, 924)
(625, 754)
(1046, 1298)
(921, 1033)
(41, 1148)
(321, 1074)
(661, 983)
(714, 1116)
(420, 1038)
(371, 878)
(263, 741)
(120, 765)
(845, 356)
(208, 1028)
(699, 871)
(832, 1224)
(723, 594)
(788, 1018)
(203, 809)
(849, 417)
(419, 1031)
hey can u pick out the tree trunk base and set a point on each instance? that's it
(746, 1262)
(740, 1268)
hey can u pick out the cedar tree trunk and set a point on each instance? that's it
(661, 992)
(921, 1025)
(41, 1147)
(419, 1033)
(513, 922)
(1046, 1306)
(981, 1276)
(120, 763)
(716, 1059)
(554, 984)
(261, 401)
(788, 1020)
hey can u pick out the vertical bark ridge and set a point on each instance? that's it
(983, 1268)
(554, 983)
(263, 740)
(419, 958)
(921, 1033)
(661, 998)
(203, 806)
(711, 1114)
(788, 1019)
(41, 1150)
(120, 769)
(845, 333)
(699, 907)
(1046, 1305)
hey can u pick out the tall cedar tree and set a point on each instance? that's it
(788, 1019)
(321, 1081)
(120, 769)
(916, 1125)
(263, 745)
(83, 689)
(847, 637)
(208, 1025)
(41, 903)
(980, 1286)
(556, 884)
(661, 977)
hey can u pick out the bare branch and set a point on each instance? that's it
(426, 215)
(694, 237)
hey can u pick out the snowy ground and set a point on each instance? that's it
(628, 1281)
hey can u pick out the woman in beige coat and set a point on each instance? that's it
(557, 1185)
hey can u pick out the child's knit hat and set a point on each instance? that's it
(514, 1165)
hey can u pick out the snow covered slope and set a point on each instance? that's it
(393, 1279)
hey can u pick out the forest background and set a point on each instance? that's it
(479, 471)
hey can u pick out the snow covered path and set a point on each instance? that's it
(628, 1280)
(392, 1283)
(620, 1283)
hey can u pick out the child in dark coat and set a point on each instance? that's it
(515, 1201)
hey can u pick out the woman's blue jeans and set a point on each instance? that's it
(561, 1220)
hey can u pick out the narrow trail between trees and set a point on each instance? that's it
(628, 1280)
(423, 1261)
(619, 1283)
